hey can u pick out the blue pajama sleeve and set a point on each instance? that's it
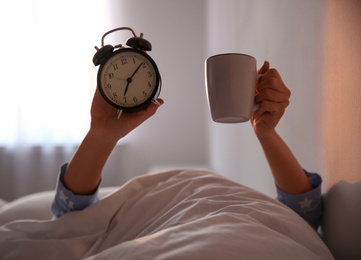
(66, 201)
(309, 204)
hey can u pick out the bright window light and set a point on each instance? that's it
(47, 75)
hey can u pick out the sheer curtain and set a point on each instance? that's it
(47, 83)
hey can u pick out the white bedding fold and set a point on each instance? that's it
(180, 214)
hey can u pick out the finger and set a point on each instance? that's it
(275, 83)
(271, 74)
(271, 95)
(265, 67)
(154, 105)
(273, 108)
(149, 110)
(130, 121)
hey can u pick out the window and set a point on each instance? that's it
(47, 75)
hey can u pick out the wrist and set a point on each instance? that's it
(266, 134)
(100, 138)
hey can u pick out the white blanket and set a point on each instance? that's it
(180, 214)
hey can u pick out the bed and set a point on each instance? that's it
(178, 214)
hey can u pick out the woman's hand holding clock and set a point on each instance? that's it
(105, 124)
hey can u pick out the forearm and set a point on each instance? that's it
(84, 170)
(287, 172)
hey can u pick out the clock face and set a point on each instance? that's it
(128, 80)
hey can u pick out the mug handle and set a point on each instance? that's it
(256, 106)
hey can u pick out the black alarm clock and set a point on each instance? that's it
(128, 78)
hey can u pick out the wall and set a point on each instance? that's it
(341, 103)
(286, 33)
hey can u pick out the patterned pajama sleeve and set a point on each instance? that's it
(66, 201)
(309, 204)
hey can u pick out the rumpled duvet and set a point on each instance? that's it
(180, 214)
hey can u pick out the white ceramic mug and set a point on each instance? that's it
(231, 80)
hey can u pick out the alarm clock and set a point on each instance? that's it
(128, 78)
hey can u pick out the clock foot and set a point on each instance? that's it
(156, 102)
(119, 113)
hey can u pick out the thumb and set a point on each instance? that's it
(265, 67)
(149, 110)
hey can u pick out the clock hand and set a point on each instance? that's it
(136, 70)
(129, 80)
(126, 88)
